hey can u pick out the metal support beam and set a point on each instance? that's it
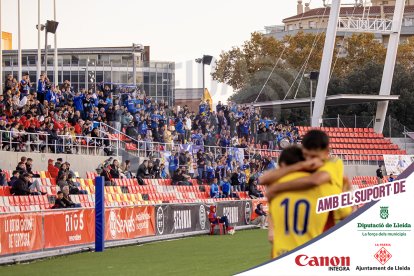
(389, 66)
(1, 52)
(326, 63)
(55, 62)
(365, 25)
(39, 53)
(19, 43)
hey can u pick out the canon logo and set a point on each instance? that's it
(303, 260)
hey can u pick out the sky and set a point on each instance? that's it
(179, 30)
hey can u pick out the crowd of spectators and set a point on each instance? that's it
(60, 113)
(32, 115)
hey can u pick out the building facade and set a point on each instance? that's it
(88, 67)
(315, 20)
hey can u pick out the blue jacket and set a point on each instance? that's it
(179, 127)
(50, 96)
(214, 190)
(41, 87)
(78, 101)
(173, 162)
(226, 188)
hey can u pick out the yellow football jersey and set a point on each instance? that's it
(294, 212)
(335, 168)
(294, 216)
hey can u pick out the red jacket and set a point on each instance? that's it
(53, 171)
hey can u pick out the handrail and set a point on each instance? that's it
(42, 142)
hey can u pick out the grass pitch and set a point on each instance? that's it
(202, 255)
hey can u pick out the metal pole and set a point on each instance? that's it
(87, 76)
(39, 53)
(204, 88)
(337, 121)
(19, 53)
(326, 63)
(46, 52)
(389, 124)
(55, 63)
(355, 121)
(390, 59)
(134, 69)
(310, 100)
(1, 54)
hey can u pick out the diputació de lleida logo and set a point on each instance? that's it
(384, 212)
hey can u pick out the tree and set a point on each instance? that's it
(357, 68)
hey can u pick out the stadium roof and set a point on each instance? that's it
(334, 100)
(374, 11)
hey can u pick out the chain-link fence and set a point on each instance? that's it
(349, 121)
(392, 127)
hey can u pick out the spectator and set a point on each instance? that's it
(181, 179)
(214, 189)
(59, 201)
(25, 186)
(41, 87)
(106, 173)
(74, 187)
(21, 167)
(125, 169)
(210, 173)
(163, 173)
(235, 183)
(201, 165)
(380, 176)
(115, 171)
(59, 163)
(253, 191)
(214, 219)
(52, 169)
(173, 162)
(261, 216)
(15, 176)
(64, 170)
(226, 188)
(62, 181)
(142, 172)
(68, 201)
(391, 178)
(2, 178)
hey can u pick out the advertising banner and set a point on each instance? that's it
(396, 164)
(172, 219)
(65, 228)
(238, 212)
(20, 233)
(377, 239)
(129, 222)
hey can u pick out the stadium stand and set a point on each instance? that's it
(354, 144)
(127, 192)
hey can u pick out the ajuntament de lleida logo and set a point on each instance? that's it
(384, 212)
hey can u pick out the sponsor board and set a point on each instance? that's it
(396, 164)
(20, 233)
(237, 212)
(172, 218)
(65, 228)
(129, 222)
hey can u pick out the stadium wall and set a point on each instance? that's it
(57, 232)
(79, 163)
